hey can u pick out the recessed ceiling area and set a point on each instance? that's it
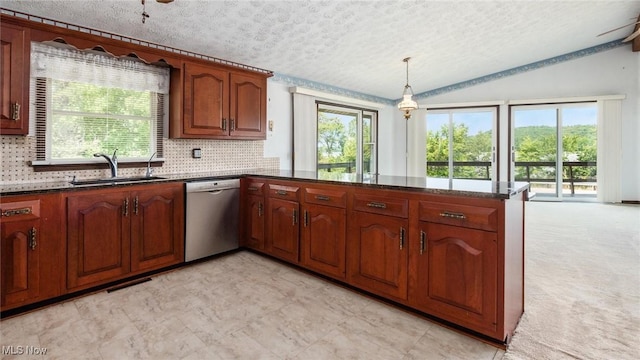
(359, 45)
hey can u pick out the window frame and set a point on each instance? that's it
(360, 114)
(41, 115)
(495, 132)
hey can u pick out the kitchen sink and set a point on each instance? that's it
(115, 180)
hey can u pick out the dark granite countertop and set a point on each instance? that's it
(458, 187)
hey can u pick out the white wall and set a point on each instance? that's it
(612, 72)
(278, 143)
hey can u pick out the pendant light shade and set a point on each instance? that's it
(407, 104)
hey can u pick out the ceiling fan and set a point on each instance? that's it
(633, 35)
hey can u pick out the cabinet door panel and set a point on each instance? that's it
(284, 229)
(14, 81)
(156, 231)
(206, 102)
(457, 276)
(323, 239)
(20, 261)
(255, 236)
(98, 238)
(378, 254)
(248, 106)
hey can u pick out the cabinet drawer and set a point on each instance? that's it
(381, 205)
(255, 188)
(475, 217)
(284, 192)
(20, 210)
(326, 197)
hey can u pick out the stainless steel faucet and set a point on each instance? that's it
(113, 162)
(149, 169)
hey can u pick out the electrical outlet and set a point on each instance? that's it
(270, 125)
(196, 153)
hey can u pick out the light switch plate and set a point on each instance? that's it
(196, 153)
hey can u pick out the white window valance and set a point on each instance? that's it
(96, 68)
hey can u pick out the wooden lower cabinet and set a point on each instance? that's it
(284, 230)
(457, 258)
(31, 250)
(323, 239)
(20, 261)
(456, 276)
(254, 230)
(98, 237)
(157, 227)
(114, 233)
(377, 254)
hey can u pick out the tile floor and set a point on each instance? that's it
(240, 306)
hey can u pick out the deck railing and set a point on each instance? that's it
(569, 175)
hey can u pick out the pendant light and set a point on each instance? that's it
(407, 104)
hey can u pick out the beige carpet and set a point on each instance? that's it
(582, 283)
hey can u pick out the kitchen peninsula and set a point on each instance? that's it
(450, 249)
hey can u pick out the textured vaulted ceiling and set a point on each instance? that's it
(359, 45)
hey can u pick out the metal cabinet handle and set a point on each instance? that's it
(377, 205)
(401, 238)
(454, 215)
(260, 209)
(14, 212)
(281, 192)
(306, 218)
(125, 208)
(295, 217)
(224, 124)
(233, 125)
(15, 111)
(423, 240)
(252, 188)
(322, 197)
(32, 238)
(135, 205)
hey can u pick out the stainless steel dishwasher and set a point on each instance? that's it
(211, 217)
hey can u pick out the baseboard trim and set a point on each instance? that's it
(634, 202)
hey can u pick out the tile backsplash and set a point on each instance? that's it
(217, 155)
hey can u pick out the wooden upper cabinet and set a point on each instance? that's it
(206, 101)
(212, 102)
(14, 80)
(248, 106)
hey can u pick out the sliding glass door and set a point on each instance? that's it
(554, 147)
(461, 143)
